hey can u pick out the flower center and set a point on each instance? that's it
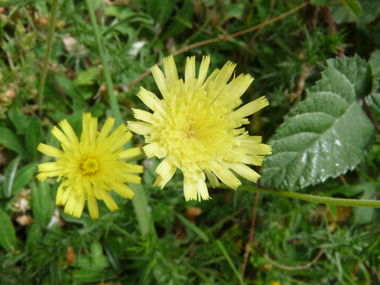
(89, 166)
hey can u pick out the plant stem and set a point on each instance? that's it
(225, 253)
(140, 204)
(106, 73)
(50, 38)
(139, 201)
(312, 198)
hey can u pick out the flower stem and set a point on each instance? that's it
(50, 38)
(106, 73)
(140, 205)
(139, 201)
(312, 198)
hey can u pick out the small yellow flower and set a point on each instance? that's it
(91, 167)
(197, 128)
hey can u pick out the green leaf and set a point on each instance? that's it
(34, 236)
(353, 7)
(7, 233)
(23, 176)
(10, 174)
(19, 120)
(34, 137)
(371, 8)
(189, 225)
(43, 204)
(70, 89)
(325, 135)
(364, 215)
(357, 71)
(99, 261)
(93, 276)
(10, 140)
(181, 21)
(87, 77)
(319, 2)
(374, 61)
(160, 10)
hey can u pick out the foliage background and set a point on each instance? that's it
(295, 242)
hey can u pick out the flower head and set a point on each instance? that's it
(197, 128)
(90, 167)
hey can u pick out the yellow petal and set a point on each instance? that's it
(225, 74)
(107, 127)
(212, 178)
(93, 130)
(190, 69)
(202, 190)
(140, 128)
(203, 70)
(106, 197)
(49, 166)
(160, 80)
(50, 151)
(80, 201)
(259, 149)
(253, 159)
(130, 153)
(253, 107)
(93, 207)
(60, 192)
(149, 99)
(144, 116)
(189, 189)
(121, 141)
(245, 171)
(68, 130)
(166, 171)
(134, 168)
(61, 136)
(225, 175)
(133, 178)
(123, 190)
(170, 71)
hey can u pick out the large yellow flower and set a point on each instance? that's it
(91, 167)
(197, 128)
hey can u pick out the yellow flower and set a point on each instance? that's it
(91, 167)
(197, 128)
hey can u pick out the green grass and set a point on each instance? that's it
(294, 241)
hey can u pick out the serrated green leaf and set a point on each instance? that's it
(371, 8)
(10, 140)
(34, 137)
(325, 135)
(374, 61)
(10, 174)
(7, 233)
(357, 71)
(160, 10)
(43, 204)
(353, 7)
(23, 176)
